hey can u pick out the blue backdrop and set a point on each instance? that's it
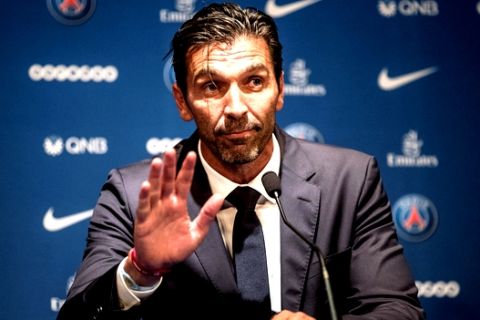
(85, 88)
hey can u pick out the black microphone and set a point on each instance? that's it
(271, 183)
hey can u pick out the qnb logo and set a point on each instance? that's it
(55, 146)
(71, 12)
(305, 131)
(184, 11)
(412, 154)
(415, 217)
(408, 8)
(156, 146)
(72, 73)
(439, 289)
(299, 81)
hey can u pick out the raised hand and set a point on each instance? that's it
(164, 234)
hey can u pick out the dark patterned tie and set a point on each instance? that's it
(249, 252)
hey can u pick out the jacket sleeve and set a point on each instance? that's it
(93, 294)
(381, 282)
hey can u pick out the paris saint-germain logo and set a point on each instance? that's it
(415, 217)
(304, 131)
(168, 74)
(71, 12)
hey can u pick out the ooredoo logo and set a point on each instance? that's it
(438, 289)
(156, 146)
(72, 73)
(415, 217)
(71, 12)
(54, 145)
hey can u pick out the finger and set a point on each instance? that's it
(154, 179)
(301, 316)
(288, 315)
(207, 214)
(143, 202)
(168, 173)
(279, 316)
(185, 175)
(283, 315)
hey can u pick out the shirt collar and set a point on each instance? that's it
(223, 186)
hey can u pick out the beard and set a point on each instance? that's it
(241, 150)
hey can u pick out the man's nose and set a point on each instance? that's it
(235, 104)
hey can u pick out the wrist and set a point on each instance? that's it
(140, 267)
(131, 284)
(140, 274)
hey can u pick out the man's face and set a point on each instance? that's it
(232, 95)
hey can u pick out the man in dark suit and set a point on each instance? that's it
(163, 243)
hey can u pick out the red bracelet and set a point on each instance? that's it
(150, 273)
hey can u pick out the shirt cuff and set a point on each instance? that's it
(128, 297)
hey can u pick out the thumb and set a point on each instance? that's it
(207, 214)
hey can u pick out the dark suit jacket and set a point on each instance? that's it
(333, 196)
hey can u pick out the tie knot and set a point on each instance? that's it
(244, 198)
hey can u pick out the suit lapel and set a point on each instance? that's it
(211, 254)
(214, 258)
(301, 201)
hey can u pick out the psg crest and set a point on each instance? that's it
(415, 217)
(71, 12)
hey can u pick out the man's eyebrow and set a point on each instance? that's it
(212, 73)
(204, 73)
(257, 67)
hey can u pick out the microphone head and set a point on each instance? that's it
(271, 183)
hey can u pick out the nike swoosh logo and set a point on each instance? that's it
(52, 223)
(278, 11)
(387, 83)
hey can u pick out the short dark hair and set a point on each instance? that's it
(222, 23)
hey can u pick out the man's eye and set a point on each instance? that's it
(256, 82)
(210, 87)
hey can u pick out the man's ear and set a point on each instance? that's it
(281, 93)
(182, 106)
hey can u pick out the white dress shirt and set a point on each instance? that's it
(267, 212)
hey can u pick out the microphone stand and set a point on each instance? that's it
(316, 249)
